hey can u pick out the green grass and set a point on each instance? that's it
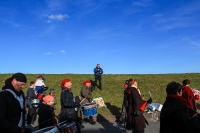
(112, 92)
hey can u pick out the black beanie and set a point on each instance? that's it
(19, 77)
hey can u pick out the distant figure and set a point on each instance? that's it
(98, 71)
(189, 95)
(124, 104)
(174, 116)
(12, 105)
(31, 95)
(39, 84)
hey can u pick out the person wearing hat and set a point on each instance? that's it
(124, 104)
(86, 94)
(39, 84)
(46, 113)
(174, 113)
(12, 105)
(69, 104)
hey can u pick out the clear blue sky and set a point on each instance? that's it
(124, 36)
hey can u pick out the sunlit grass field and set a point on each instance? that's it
(112, 85)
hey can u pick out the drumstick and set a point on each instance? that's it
(149, 94)
(82, 100)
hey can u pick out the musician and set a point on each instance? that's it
(189, 96)
(12, 105)
(46, 113)
(30, 95)
(124, 104)
(174, 114)
(86, 94)
(69, 104)
(135, 120)
(39, 84)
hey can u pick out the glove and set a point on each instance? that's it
(26, 130)
(149, 101)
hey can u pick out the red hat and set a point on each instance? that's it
(48, 98)
(63, 82)
(87, 81)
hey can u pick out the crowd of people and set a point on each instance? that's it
(178, 114)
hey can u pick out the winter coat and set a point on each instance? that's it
(68, 105)
(46, 116)
(135, 119)
(98, 73)
(173, 117)
(10, 112)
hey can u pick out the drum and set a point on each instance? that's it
(155, 106)
(99, 101)
(50, 129)
(40, 96)
(89, 109)
(69, 127)
(35, 102)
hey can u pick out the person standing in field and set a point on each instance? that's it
(69, 104)
(39, 84)
(31, 95)
(135, 120)
(174, 116)
(86, 94)
(98, 71)
(189, 96)
(12, 105)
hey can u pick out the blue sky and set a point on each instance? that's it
(124, 36)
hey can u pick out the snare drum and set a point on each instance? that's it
(89, 109)
(69, 127)
(50, 129)
(35, 102)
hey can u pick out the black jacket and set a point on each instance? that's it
(68, 105)
(46, 116)
(173, 117)
(10, 112)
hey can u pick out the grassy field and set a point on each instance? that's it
(112, 92)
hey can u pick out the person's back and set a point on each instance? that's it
(173, 116)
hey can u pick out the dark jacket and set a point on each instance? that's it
(30, 95)
(86, 93)
(10, 112)
(135, 120)
(98, 72)
(173, 117)
(68, 105)
(46, 116)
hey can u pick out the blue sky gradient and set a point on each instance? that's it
(125, 37)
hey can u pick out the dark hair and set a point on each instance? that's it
(173, 87)
(186, 82)
(32, 82)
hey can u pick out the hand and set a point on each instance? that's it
(149, 101)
